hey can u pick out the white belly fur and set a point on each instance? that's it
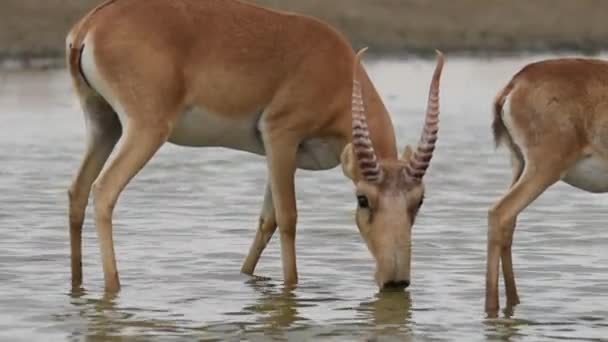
(589, 174)
(199, 127)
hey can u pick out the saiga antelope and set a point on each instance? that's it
(553, 117)
(228, 74)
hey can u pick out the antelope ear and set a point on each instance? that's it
(347, 158)
(407, 154)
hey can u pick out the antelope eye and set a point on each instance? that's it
(362, 201)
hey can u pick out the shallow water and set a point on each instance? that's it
(184, 225)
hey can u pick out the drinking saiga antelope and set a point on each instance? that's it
(225, 73)
(553, 117)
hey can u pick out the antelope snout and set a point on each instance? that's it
(391, 247)
(393, 272)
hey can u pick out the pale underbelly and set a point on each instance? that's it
(589, 174)
(200, 128)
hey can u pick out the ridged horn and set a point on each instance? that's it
(362, 143)
(421, 159)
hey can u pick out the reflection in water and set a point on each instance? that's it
(105, 320)
(276, 306)
(276, 311)
(505, 329)
(100, 316)
(389, 313)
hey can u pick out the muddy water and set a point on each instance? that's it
(183, 226)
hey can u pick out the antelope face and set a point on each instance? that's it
(386, 211)
(390, 191)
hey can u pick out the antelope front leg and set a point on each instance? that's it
(281, 151)
(140, 144)
(266, 228)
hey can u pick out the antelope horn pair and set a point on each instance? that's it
(362, 144)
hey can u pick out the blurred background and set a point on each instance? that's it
(185, 222)
(33, 29)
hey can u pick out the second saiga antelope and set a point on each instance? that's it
(225, 73)
(553, 117)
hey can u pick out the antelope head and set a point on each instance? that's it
(389, 192)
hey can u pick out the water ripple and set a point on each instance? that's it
(184, 225)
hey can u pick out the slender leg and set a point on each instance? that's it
(506, 254)
(140, 144)
(533, 182)
(266, 228)
(507, 266)
(104, 130)
(281, 156)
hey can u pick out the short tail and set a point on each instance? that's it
(498, 126)
(76, 45)
(75, 64)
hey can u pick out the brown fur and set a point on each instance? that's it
(198, 43)
(558, 116)
(154, 59)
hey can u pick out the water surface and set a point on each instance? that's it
(184, 225)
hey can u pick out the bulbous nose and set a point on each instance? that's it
(396, 284)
